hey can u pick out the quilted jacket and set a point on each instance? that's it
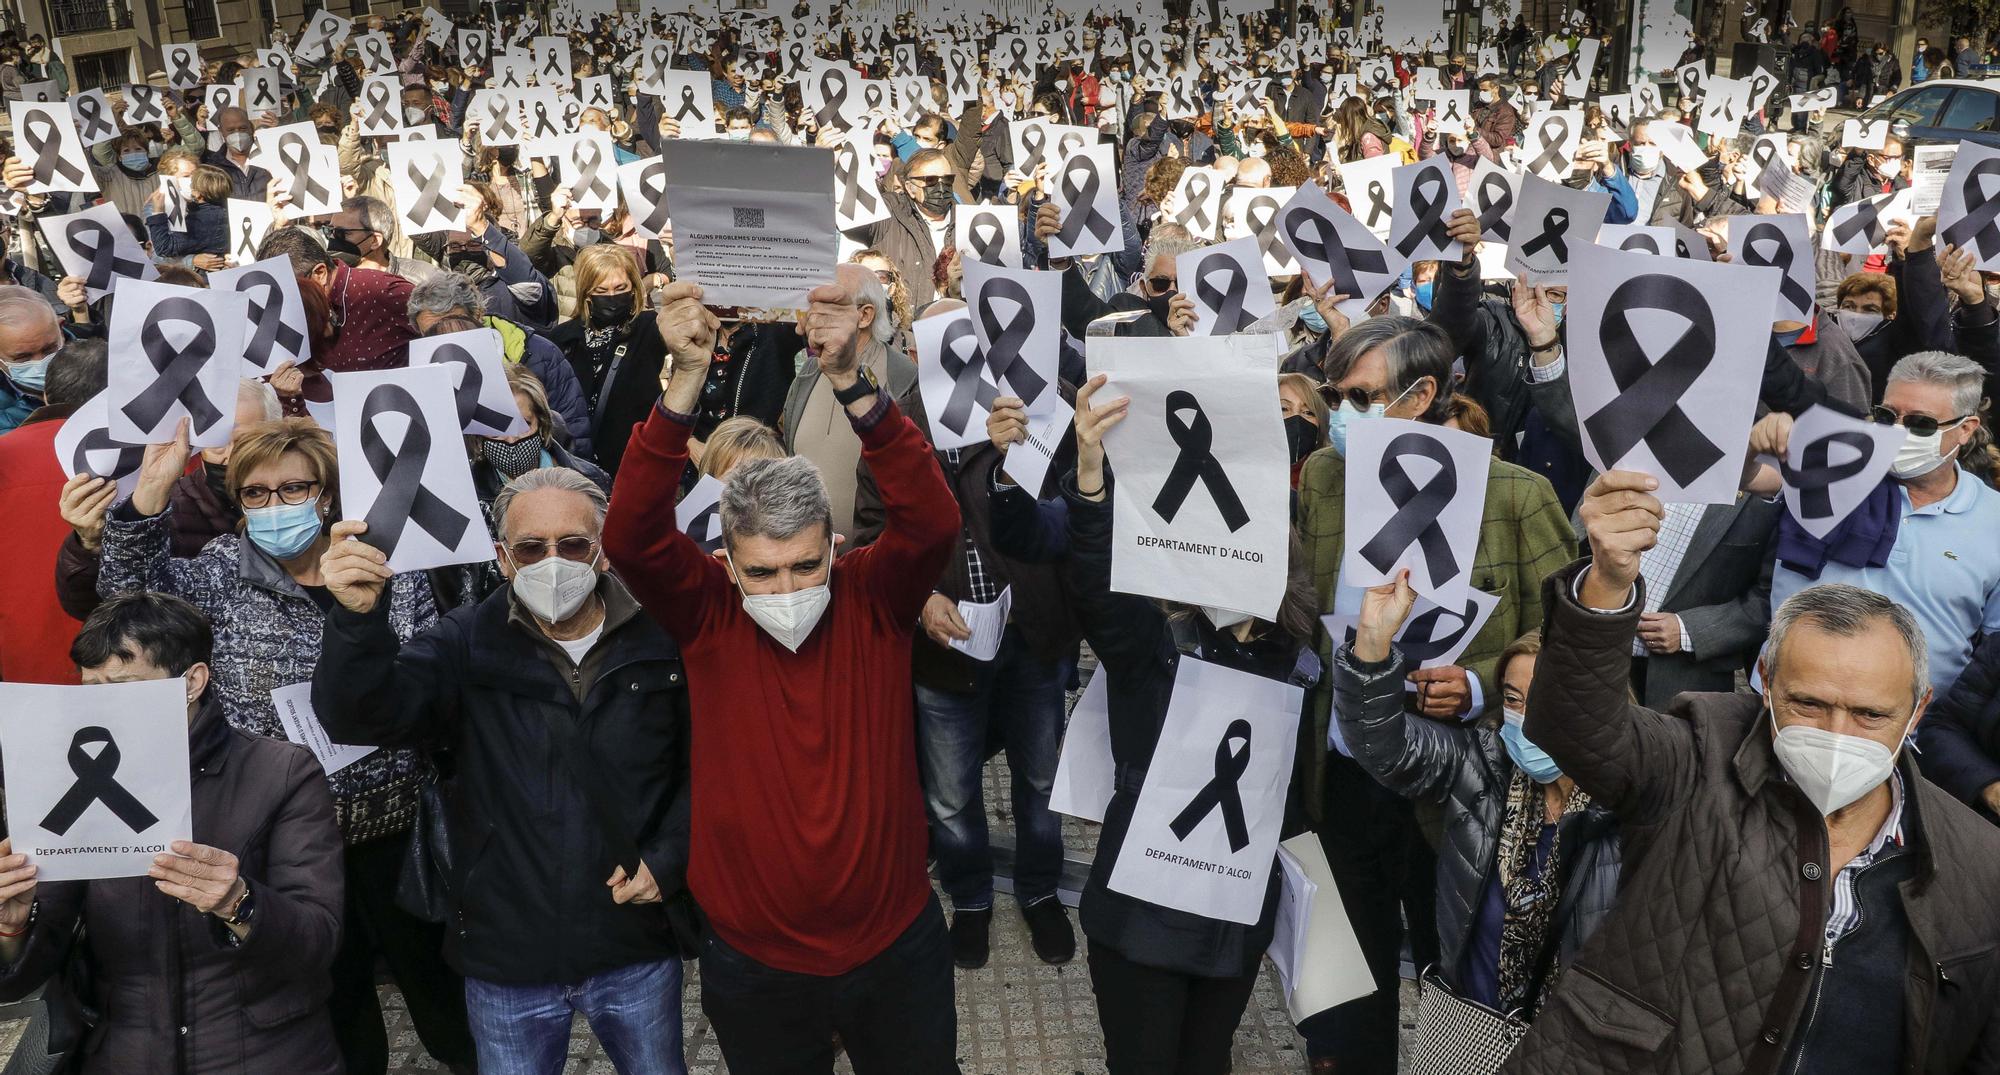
(1466, 768)
(1707, 963)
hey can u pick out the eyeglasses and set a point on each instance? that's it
(1923, 425)
(929, 181)
(295, 493)
(535, 550)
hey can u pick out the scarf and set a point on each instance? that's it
(1863, 539)
(1527, 933)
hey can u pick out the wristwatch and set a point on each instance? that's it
(239, 915)
(863, 387)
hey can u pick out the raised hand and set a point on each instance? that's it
(354, 571)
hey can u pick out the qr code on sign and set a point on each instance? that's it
(749, 218)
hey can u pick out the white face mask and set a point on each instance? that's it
(1832, 769)
(789, 617)
(1918, 456)
(554, 588)
(1892, 168)
(1223, 618)
(413, 116)
(237, 141)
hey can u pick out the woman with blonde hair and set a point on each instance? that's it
(613, 344)
(739, 440)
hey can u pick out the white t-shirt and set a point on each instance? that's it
(581, 646)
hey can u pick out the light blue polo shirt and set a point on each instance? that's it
(1945, 569)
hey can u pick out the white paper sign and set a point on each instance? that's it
(486, 405)
(1202, 509)
(1204, 832)
(1641, 238)
(295, 715)
(1329, 244)
(403, 467)
(988, 233)
(753, 224)
(95, 120)
(96, 776)
(1553, 220)
(1370, 184)
(1328, 967)
(185, 360)
(1426, 197)
(688, 98)
(1085, 772)
(1228, 284)
(381, 103)
(278, 329)
(1970, 204)
(45, 137)
(1086, 196)
(1415, 495)
(305, 167)
(988, 624)
(425, 177)
(1862, 228)
(1783, 242)
(84, 446)
(1832, 464)
(698, 516)
(1196, 203)
(1551, 143)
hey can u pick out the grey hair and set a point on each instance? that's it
(443, 293)
(1965, 378)
(1411, 349)
(24, 307)
(1171, 246)
(376, 215)
(549, 478)
(774, 498)
(872, 293)
(262, 396)
(1840, 609)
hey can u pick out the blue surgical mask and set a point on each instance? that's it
(1336, 422)
(1528, 757)
(135, 162)
(33, 376)
(283, 530)
(1424, 293)
(1311, 319)
(1558, 308)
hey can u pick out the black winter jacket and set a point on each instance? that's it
(531, 855)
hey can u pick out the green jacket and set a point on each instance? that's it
(1524, 536)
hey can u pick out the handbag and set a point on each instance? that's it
(424, 887)
(1456, 1036)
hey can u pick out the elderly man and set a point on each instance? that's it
(918, 227)
(1402, 368)
(811, 423)
(1941, 563)
(238, 139)
(453, 295)
(808, 845)
(1796, 896)
(1156, 293)
(565, 709)
(30, 335)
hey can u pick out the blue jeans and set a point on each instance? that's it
(1020, 697)
(635, 1012)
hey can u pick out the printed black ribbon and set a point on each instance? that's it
(969, 384)
(510, 79)
(1647, 406)
(1553, 132)
(1195, 437)
(1555, 229)
(1226, 301)
(1495, 198)
(1144, 50)
(1417, 508)
(376, 97)
(142, 105)
(1342, 261)
(96, 783)
(544, 126)
(871, 96)
(1378, 204)
(589, 162)
(269, 317)
(797, 53)
(472, 45)
(1034, 139)
(1641, 242)
(296, 156)
(90, 109)
(1004, 342)
(688, 107)
(1195, 216)
(1264, 226)
(554, 66)
(984, 234)
(1082, 197)
(1762, 153)
(1691, 81)
(854, 195)
(246, 245)
(1018, 52)
(959, 80)
(1767, 232)
(1420, 640)
(571, 113)
(1221, 791)
(1817, 474)
(500, 119)
(184, 73)
(833, 95)
(1427, 201)
(1451, 111)
(178, 369)
(470, 410)
(430, 200)
(653, 183)
(264, 95)
(102, 251)
(1866, 219)
(378, 60)
(1759, 86)
(403, 498)
(130, 456)
(1978, 227)
(39, 130)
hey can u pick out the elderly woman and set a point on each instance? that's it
(1530, 866)
(613, 345)
(263, 589)
(229, 938)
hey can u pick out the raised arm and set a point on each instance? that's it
(1413, 757)
(369, 687)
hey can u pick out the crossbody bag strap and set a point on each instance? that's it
(604, 389)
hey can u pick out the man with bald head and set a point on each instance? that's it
(1253, 172)
(238, 139)
(29, 336)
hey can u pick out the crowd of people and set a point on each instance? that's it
(1665, 811)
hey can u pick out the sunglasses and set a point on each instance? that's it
(1923, 425)
(929, 181)
(535, 550)
(1160, 285)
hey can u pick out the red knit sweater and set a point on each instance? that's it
(808, 829)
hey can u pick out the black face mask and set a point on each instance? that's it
(507, 157)
(1301, 436)
(337, 242)
(938, 198)
(215, 474)
(610, 309)
(512, 460)
(1157, 305)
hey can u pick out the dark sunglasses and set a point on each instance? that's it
(1923, 425)
(1160, 285)
(535, 550)
(929, 181)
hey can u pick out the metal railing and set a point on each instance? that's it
(87, 16)
(201, 19)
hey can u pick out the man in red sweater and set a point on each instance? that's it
(808, 832)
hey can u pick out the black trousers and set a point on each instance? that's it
(414, 949)
(1158, 1022)
(1387, 875)
(895, 1013)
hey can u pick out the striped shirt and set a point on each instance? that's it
(1846, 909)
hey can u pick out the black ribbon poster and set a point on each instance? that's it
(1415, 494)
(989, 233)
(1229, 286)
(1783, 242)
(278, 327)
(84, 445)
(97, 778)
(1086, 193)
(643, 184)
(1204, 831)
(1550, 223)
(45, 136)
(1426, 196)
(1968, 215)
(486, 406)
(403, 467)
(184, 360)
(425, 177)
(1330, 244)
(1833, 463)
